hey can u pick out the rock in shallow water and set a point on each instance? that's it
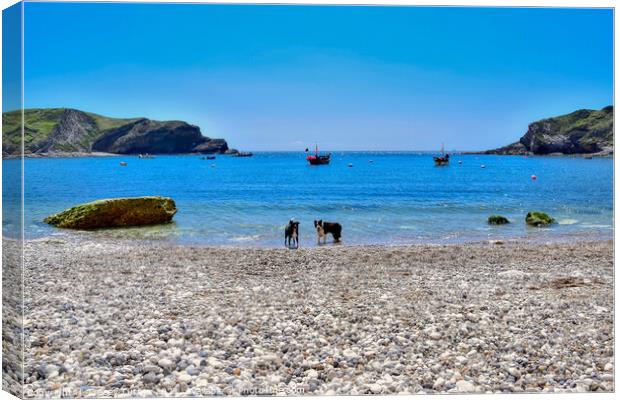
(498, 220)
(537, 218)
(132, 211)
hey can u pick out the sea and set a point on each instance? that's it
(386, 198)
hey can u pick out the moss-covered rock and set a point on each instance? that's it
(108, 213)
(498, 220)
(537, 218)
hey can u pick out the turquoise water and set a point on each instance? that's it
(397, 198)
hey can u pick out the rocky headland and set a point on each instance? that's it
(583, 132)
(65, 131)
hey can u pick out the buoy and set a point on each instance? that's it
(350, 165)
(123, 164)
(460, 162)
(212, 165)
(482, 166)
(533, 177)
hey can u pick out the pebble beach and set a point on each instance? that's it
(120, 318)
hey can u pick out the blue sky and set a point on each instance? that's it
(285, 77)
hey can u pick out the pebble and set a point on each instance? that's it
(375, 388)
(463, 386)
(166, 364)
(312, 374)
(435, 335)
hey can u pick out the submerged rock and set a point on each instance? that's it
(115, 213)
(537, 218)
(498, 220)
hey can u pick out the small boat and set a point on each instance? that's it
(318, 159)
(208, 158)
(244, 154)
(147, 155)
(443, 159)
(123, 164)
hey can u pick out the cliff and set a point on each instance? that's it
(580, 132)
(56, 130)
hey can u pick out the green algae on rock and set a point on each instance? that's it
(498, 220)
(537, 218)
(107, 213)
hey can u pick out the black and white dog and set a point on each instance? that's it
(323, 228)
(291, 234)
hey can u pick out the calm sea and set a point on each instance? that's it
(384, 198)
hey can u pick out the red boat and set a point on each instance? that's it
(442, 160)
(318, 159)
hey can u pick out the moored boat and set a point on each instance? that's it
(318, 159)
(442, 160)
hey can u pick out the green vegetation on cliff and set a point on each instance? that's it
(52, 130)
(580, 132)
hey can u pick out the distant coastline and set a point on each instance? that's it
(83, 154)
(69, 133)
(62, 154)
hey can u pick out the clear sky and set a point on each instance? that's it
(349, 78)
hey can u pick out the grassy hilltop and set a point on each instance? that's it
(50, 130)
(580, 132)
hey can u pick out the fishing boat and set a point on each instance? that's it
(318, 159)
(443, 159)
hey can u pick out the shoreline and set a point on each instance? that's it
(61, 155)
(162, 320)
(119, 236)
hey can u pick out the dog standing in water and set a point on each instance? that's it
(291, 234)
(323, 228)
